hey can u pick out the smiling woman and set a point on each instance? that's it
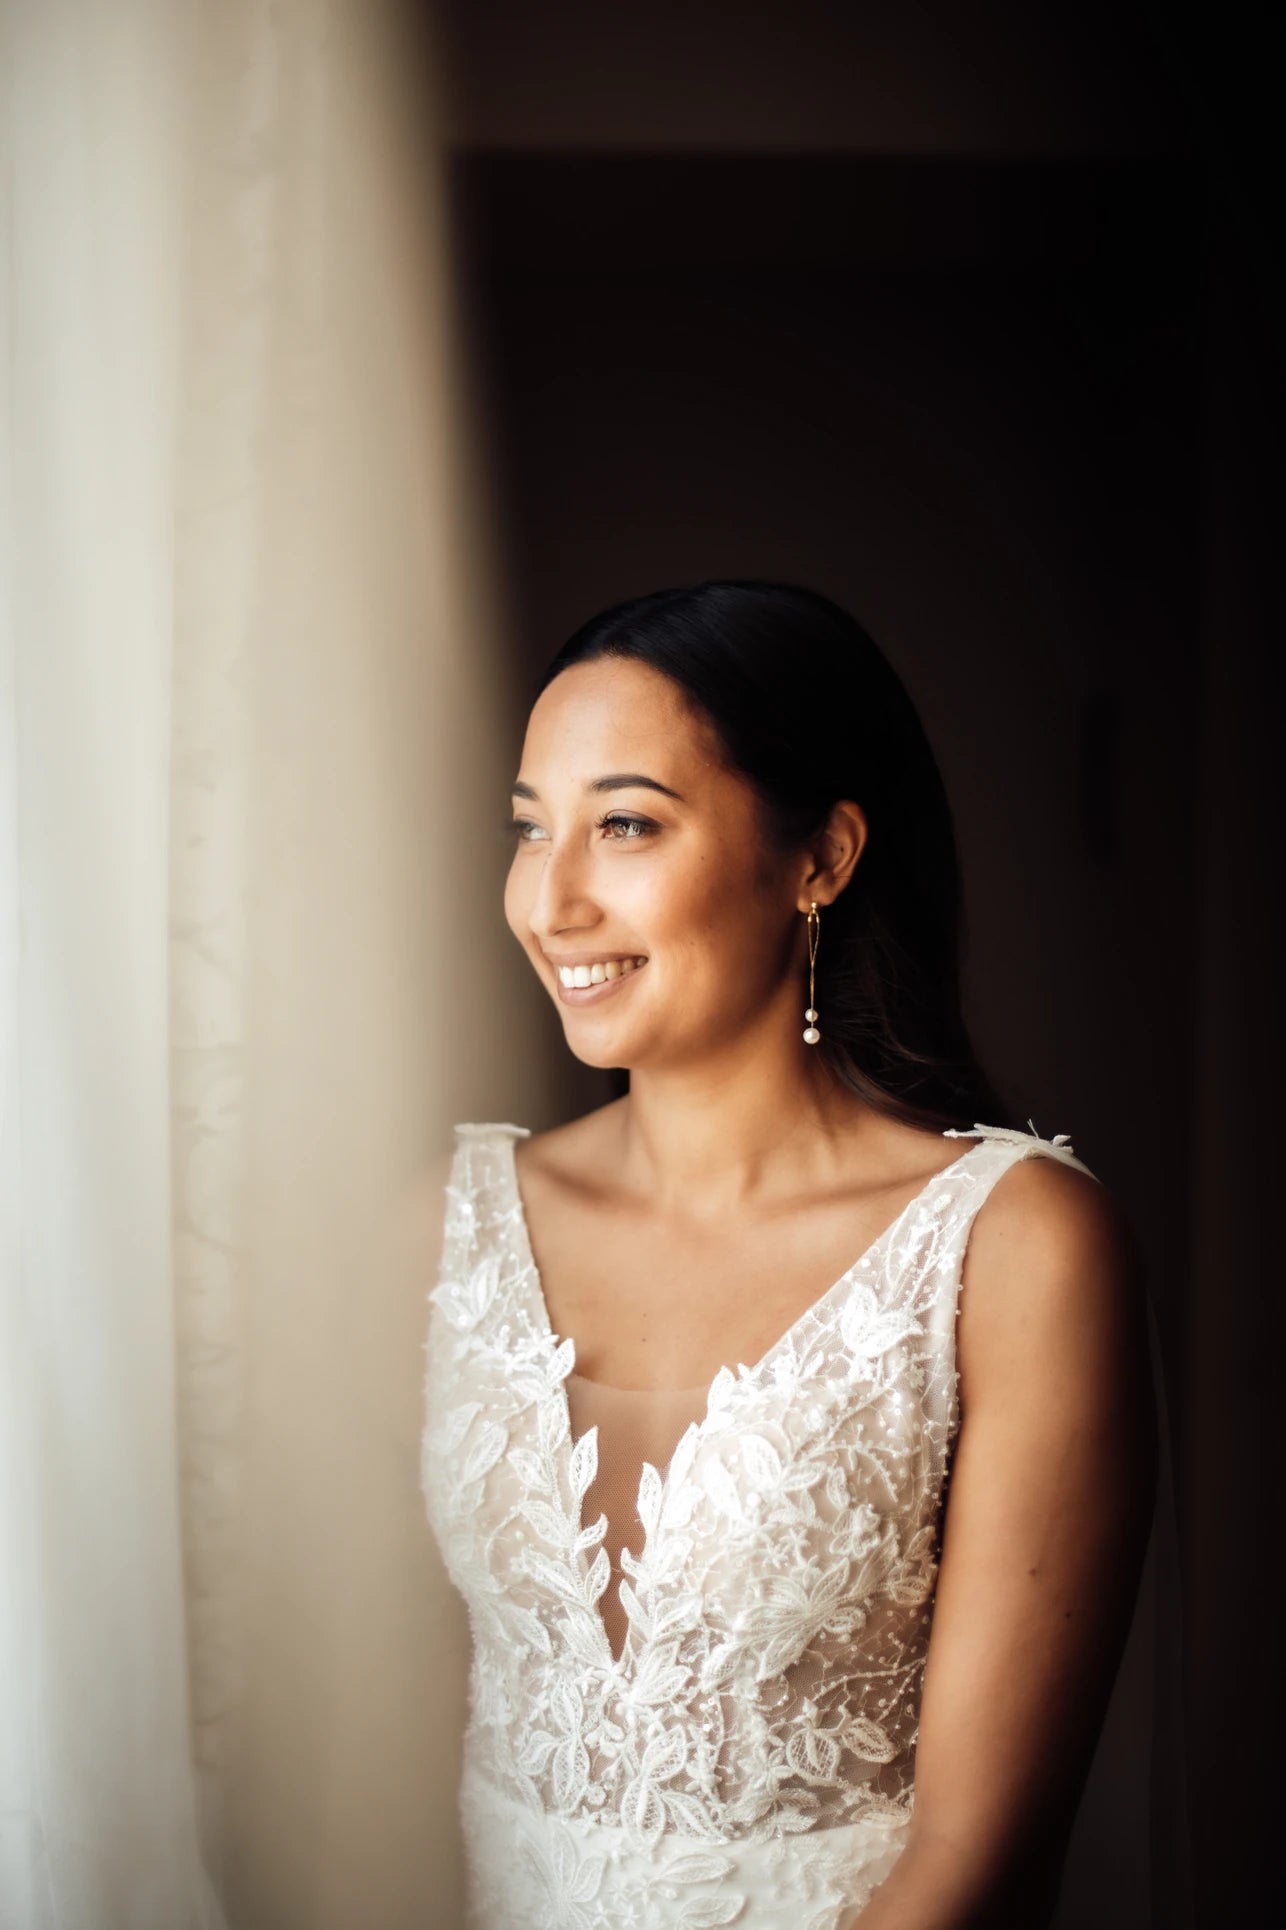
(826, 1637)
(744, 765)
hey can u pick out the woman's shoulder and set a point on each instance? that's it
(1045, 1201)
(1052, 1261)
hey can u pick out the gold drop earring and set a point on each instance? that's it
(811, 1034)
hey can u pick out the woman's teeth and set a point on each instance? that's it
(574, 975)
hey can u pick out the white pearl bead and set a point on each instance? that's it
(810, 1015)
(812, 1035)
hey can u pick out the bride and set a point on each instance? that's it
(795, 1467)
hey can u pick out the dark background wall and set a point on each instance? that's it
(963, 316)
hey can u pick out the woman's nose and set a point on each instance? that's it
(562, 897)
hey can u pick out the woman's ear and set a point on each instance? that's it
(836, 852)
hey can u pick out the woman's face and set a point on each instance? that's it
(608, 868)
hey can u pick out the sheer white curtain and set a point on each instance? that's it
(245, 682)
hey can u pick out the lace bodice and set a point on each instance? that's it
(632, 1427)
(776, 1615)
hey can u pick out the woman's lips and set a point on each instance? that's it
(591, 994)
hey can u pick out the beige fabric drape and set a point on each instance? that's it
(247, 694)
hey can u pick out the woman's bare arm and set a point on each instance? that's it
(1045, 1529)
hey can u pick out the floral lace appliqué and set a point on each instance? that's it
(778, 1615)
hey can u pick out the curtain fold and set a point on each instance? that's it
(97, 1820)
(248, 683)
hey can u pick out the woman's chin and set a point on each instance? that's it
(606, 1052)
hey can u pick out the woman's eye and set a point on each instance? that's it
(640, 826)
(619, 826)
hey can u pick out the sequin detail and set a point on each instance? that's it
(749, 1757)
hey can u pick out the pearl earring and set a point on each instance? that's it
(812, 1035)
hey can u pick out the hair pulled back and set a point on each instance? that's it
(808, 710)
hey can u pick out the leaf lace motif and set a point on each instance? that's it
(780, 1609)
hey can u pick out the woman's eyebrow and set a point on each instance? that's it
(614, 781)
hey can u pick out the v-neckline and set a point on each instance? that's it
(618, 1664)
(816, 1306)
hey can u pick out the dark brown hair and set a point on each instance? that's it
(808, 710)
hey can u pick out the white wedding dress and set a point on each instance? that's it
(748, 1756)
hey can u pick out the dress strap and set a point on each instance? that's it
(1059, 1147)
(480, 1163)
(941, 1394)
(480, 1245)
